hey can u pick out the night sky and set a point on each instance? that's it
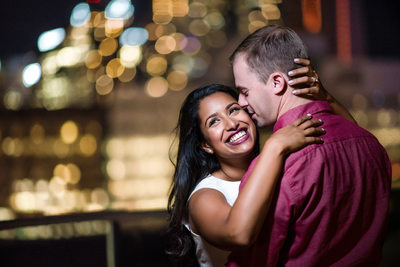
(22, 21)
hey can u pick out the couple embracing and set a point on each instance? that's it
(315, 194)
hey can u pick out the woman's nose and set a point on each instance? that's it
(232, 124)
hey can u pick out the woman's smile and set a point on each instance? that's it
(238, 137)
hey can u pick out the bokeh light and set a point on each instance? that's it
(108, 46)
(80, 15)
(114, 68)
(130, 56)
(31, 74)
(156, 65)
(69, 132)
(156, 87)
(119, 9)
(134, 36)
(49, 40)
(104, 85)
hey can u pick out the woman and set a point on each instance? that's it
(217, 141)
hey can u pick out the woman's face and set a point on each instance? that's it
(226, 127)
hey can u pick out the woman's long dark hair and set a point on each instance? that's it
(192, 165)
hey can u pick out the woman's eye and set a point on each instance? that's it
(235, 109)
(212, 122)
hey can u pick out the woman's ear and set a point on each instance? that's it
(207, 148)
(278, 83)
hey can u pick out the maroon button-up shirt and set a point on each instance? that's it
(331, 205)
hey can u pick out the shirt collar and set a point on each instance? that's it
(297, 112)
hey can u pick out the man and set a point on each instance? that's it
(331, 205)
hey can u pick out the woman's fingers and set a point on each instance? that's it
(314, 131)
(299, 71)
(302, 61)
(309, 80)
(306, 91)
(314, 140)
(301, 120)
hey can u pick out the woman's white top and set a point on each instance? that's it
(207, 254)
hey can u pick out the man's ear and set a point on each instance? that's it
(278, 83)
(206, 147)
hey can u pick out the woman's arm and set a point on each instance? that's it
(229, 227)
(307, 76)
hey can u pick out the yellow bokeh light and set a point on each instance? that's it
(114, 68)
(13, 100)
(37, 133)
(70, 173)
(99, 34)
(156, 65)
(165, 44)
(116, 169)
(177, 80)
(162, 18)
(69, 132)
(98, 19)
(215, 20)
(178, 37)
(180, 8)
(130, 56)
(157, 87)
(127, 75)
(104, 85)
(197, 10)
(271, 12)
(115, 148)
(255, 15)
(69, 56)
(57, 186)
(12, 146)
(24, 201)
(60, 170)
(199, 27)
(93, 59)
(114, 27)
(88, 145)
(100, 196)
(255, 25)
(75, 173)
(108, 46)
(161, 30)
(49, 64)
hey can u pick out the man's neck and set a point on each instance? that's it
(290, 101)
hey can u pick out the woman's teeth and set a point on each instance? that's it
(237, 136)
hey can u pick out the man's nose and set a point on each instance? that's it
(242, 101)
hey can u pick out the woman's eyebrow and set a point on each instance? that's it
(215, 114)
(230, 105)
(209, 117)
